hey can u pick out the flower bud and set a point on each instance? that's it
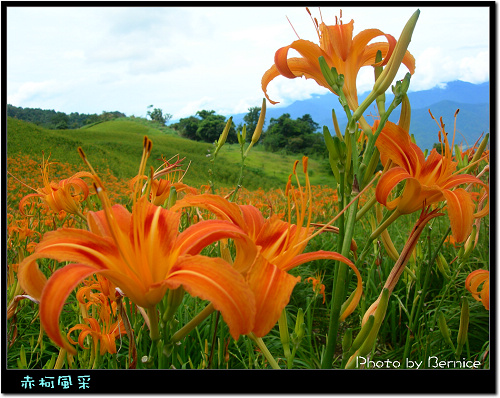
(445, 331)
(359, 340)
(22, 358)
(466, 250)
(479, 152)
(172, 197)
(222, 138)
(387, 76)
(260, 123)
(347, 340)
(299, 330)
(330, 145)
(405, 115)
(174, 299)
(378, 316)
(328, 73)
(378, 70)
(442, 265)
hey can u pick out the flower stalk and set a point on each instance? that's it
(263, 348)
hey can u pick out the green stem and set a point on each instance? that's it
(383, 226)
(262, 346)
(333, 324)
(339, 290)
(154, 331)
(188, 327)
(242, 167)
(367, 206)
(388, 219)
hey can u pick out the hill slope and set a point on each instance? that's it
(117, 145)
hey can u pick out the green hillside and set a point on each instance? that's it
(117, 145)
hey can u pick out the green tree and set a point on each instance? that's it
(438, 147)
(60, 121)
(187, 127)
(310, 122)
(51, 119)
(158, 116)
(211, 126)
(294, 136)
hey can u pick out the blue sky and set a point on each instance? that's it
(183, 59)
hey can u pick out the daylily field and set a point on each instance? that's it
(385, 267)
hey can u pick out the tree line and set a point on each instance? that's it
(50, 119)
(283, 134)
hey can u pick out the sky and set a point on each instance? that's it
(184, 59)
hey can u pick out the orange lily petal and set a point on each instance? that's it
(197, 236)
(215, 280)
(54, 295)
(272, 288)
(98, 224)
(460, 212)
(394, 143)
(338, 38)
(386, 184)
(31, 279)
(216, 204)
(472, 283)
(267, 78)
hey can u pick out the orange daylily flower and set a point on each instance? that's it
(318, 287)
(160, 188)
(472, 283)
(64, 195)
(107, 316)
(341, 50)
(105, 336)
(143, 254)
(21, 229)
(428, 181)
(279, 248)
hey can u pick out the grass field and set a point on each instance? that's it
(117, 146)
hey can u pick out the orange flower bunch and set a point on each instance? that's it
(276, 247)
(65, 195)
(143, 253)
(341, 50)
(274, 202)
(104, 323)
(410, 181)
(318, 287)
(427, 181)
(161, 188)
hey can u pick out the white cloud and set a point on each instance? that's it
(437, 65)
(35, 92)
(125, 58)
(191, 108)
(158, 61)
(475, 69)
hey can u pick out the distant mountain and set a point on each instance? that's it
(473, 100)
